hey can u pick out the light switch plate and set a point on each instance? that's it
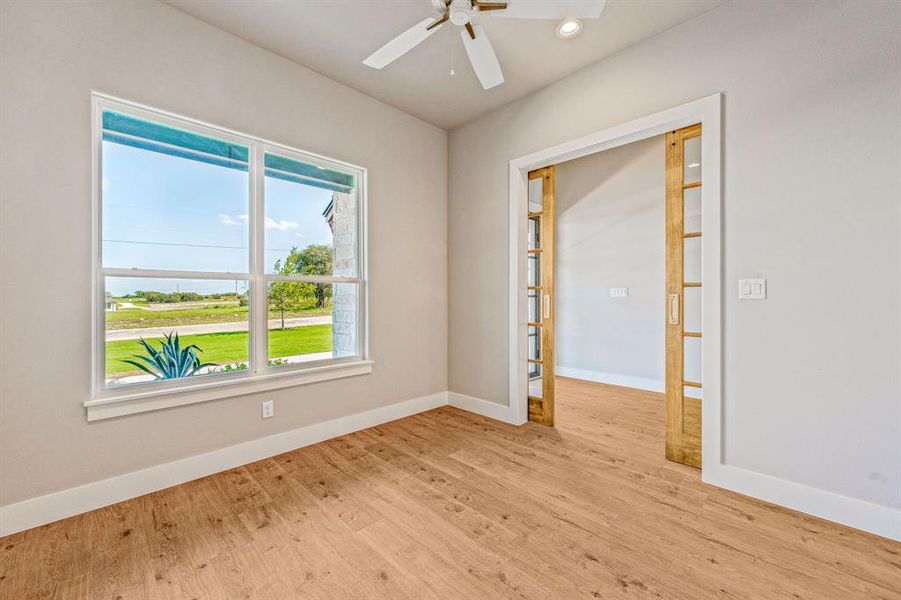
(619, 292)
(752, 289)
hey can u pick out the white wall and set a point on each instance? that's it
(53, 54)
(610, 234)
(812, 173)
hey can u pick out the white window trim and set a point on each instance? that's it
(113, 402)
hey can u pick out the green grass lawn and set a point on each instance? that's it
(136, 318)
(225, 348)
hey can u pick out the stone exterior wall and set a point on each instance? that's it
(345, 296)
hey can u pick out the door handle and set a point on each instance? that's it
(674, 309)
(547, 306)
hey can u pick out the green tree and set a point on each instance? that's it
(316, 259)
(286, 295)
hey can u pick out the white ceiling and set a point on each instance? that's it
(332, 37)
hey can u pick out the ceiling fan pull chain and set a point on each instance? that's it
(453, 45)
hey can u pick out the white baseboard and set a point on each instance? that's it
(852, 512)
(66, 503)
(492, 410)
(639, 383)
(33, 512)
(844, 510)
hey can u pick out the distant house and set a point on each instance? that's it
(329, 214)
(110, 304)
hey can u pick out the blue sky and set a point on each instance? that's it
(164, 212)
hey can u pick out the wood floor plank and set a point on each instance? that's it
(448, 505)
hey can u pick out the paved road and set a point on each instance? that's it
(158, 332)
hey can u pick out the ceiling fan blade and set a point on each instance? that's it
(488, 6)
(402, 44)
(440, 20)
(483, 59)
(552, 9)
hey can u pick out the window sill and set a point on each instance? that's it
(146, 400)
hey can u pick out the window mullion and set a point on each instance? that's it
(259, 296)
(164, 274)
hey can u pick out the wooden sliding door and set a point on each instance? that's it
(540, 258)
(683, 296)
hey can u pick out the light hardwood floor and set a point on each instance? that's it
(452, 505)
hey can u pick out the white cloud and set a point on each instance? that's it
(268, 223)
(282, 225)
(230, 220)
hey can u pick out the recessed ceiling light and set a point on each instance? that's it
(568, 28)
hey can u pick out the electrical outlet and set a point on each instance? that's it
(619, 292)
(268, 409)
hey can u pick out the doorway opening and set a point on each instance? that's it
(623, 267)
(555, 320)
(611, 286)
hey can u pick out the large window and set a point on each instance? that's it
(220, 257)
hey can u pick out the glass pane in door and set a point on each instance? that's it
(534, 233)
(534, 269)
(534, 343)
(692, 215)
(535, 388)
(693, 392)
(536, 191)
(692, 309)
(692, 160)
(691, 260)
(692, 359)
(534, 306)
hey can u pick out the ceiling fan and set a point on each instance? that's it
(478, 48)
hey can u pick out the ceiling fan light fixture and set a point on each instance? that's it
(461, 12)
(568, 28)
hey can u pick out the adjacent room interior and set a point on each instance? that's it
(610, 276)
(450, 299)
(611, 266)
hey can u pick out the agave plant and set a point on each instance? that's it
(171, 361)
